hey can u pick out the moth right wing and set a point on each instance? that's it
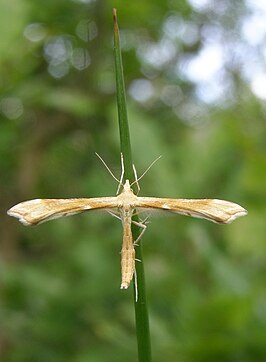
(219, 211)
(36, 211)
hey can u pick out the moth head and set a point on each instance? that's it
(127, 186)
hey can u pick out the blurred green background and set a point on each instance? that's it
(195, 75)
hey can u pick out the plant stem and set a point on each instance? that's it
(141, 311)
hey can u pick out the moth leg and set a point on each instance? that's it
(122, 174)
(144, 227)
(141, 225)
(114, 214)
(136, 285)
(145, 221)
(136, 179)
(140, 236)
(142, 221)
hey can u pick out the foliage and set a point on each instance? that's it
(60, 297)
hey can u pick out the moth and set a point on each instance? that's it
(124, 205)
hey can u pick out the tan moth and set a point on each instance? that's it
(34, 212)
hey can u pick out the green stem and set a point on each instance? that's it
(141, 311)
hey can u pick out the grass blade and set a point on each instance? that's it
(141, 310)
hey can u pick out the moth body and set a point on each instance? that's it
(128, 251)
(126, 201)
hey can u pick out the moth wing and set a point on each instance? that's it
(36, 211)
(219, 211)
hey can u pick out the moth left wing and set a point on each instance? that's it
(219, 211)
(36, 211)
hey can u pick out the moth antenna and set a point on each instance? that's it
(108, 169)
(144, 173)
